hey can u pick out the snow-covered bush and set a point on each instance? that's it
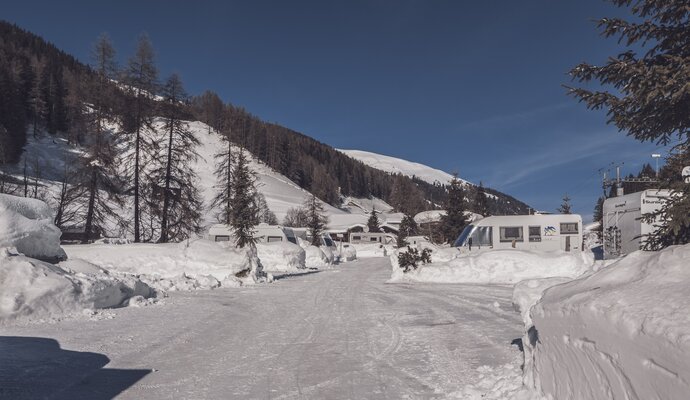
(408, 259)
(281, 256)
(346, 252)
(27, 225)
(316, 258)
(621, 332)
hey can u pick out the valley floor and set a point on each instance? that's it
(336, 334)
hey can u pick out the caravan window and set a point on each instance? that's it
(374, 239)
(568, 228)
(535, 233)
(356, 238)
(271, 239)
(510, 233)
(290, 235)
(480, 235)
(222, 238)
(328, 241)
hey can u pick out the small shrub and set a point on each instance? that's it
(410, 259)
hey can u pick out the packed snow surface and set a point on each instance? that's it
(495, 267)
(27, 225)
(332, 334)
(399, 166)
(622, 332)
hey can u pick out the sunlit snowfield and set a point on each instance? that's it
(335, 334)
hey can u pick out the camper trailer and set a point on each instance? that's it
(263, 233)
(371, 237)
(623, 229)
(523, 232)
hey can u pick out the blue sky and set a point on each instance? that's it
(467, 86)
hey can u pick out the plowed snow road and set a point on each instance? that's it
(336, 334)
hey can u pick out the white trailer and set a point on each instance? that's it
(263, 233)
(624, 230)
(371, 237)
(541, 232)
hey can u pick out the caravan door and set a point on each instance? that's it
(565, 243)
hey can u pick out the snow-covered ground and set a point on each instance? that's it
(622, 332)
(339, 333)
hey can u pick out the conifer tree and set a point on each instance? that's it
(598, 215)
(224, 179)
(316, 220)
(175, 179)
(565, 207)
(243, 206)
(97, 168)
(141, 77)
(373, 223)
(648, 97)
(408, 227)
(265, 214)
(481, 202)
(455, 220)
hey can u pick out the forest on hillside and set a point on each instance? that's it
(45, 90)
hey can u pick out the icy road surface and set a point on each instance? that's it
(337, 334)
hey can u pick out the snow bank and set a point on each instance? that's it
(496, 267)
(366, 250)
(281, 256)
(29, 287)
(346, 252)
(27, 225)
(316, 258)
(198, 264)
(621, 332)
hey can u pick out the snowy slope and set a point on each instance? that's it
(280, 192)
(400, 166)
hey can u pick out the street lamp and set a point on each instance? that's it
(657, 156)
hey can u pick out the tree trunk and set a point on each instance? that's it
(166, 194)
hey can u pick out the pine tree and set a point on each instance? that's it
(481, 202)
(141, 77)
(598, 215)
(97, 170)
(408, 227)
(243, 207)
(565, 207)
(649, 96)
(455, 220)
(316, 220)
(174, 177)
(373, 223)
(224, 179)
(266, 216)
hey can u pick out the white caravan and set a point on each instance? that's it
(523, 232)
(371, 237)
(326, 242)
(624, 230)
(263, 233)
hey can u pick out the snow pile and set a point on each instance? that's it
(346, 252)
(198, 264)
(621, 332)
(27, 225)
(281, 256)
(366, 250)
(498, 383)
(497, 267)
(32, 287)
(315, 257)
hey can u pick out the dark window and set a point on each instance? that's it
(356, 238)
(271, 239)
(510, 233)
(535, 233)
(222, 238)
(568, 228)
(373, 239)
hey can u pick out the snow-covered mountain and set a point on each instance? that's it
(399, 166)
